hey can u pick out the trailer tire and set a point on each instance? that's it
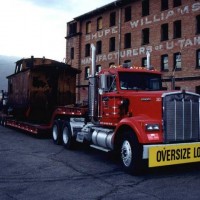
(56, 132)
(67, 139)
(131, 153)
(3, 122)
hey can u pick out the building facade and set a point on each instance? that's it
(123, 31)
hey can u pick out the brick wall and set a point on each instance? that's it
(188, 76)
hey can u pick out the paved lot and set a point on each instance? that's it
(32, 168)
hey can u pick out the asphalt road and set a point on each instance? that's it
(32, 168)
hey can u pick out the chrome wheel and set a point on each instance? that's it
(56, 136)
(65, 135)
(126, 153)
(131, 153)
(68, 140)
(55, 133)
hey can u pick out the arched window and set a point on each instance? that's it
(87, 50)
(99, 47)
(88, 27)
(198, 24)
(198, 58)
(87, 72)
(99, 24)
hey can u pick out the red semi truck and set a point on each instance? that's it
(128, 112)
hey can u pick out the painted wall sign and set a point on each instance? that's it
(128, 53)
(101, 33)
(163, 16)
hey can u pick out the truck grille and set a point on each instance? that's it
(181, 117)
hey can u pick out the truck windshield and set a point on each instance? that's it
(140, 81)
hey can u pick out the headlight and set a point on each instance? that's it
(152, 127)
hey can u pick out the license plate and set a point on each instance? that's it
(163, 155)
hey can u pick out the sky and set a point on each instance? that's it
(38, 27)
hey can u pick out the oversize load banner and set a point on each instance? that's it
(162, 155)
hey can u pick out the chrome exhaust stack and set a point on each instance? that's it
(92, 94)
(148, 60)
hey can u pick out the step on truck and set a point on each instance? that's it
(128, 112)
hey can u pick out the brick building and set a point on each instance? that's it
(123, 31)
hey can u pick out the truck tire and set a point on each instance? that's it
(3, 122)
(131, 153)
(67, 139)
(56, 133)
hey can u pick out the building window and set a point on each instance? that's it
(177, 29)
(88, 27)
(127, 40)
(87, 72)
(177, 3)
(144, 62)
(87, 50)
(99, 47)
(72, 28)
(99, 24)
(112, 18)
(127, 63)
(164, 5)
(197, 90)
(72, 53)
(198, 24)
(164, 32)
(112, 44)
(177, 61)
(127, 14)
(198, 58)
(98, 68)
(164, 63)
(111, 64)
(145, 7)
(145, 36)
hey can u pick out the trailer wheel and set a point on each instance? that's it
(131, 153)
(3, 122)
(56, 133)
(67, 139)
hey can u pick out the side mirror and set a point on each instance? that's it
(107, 83)
(103, 83)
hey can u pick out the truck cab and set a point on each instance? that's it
(123, 90)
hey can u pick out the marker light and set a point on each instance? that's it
(152, 127)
